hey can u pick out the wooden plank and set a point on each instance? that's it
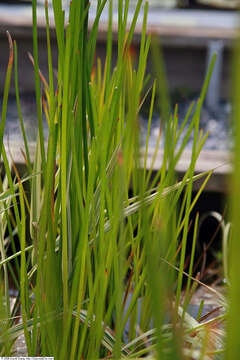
(174, 23)
(219, 161)
(14, 151)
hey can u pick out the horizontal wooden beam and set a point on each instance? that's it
(166, 23)
(218, 161)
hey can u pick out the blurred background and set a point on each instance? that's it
(190, 32)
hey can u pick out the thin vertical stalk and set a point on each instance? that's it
(37, 81)
(23, 272)
(233, 328)
(6, 91)
(19, 107)
(64, 152)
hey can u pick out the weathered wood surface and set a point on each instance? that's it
(227, 4)
(218, 161)
(174, 23)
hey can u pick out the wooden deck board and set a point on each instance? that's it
(218, 161)
(167, 23)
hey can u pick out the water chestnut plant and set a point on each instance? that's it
(101, 237)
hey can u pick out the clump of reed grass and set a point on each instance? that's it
(96, 269)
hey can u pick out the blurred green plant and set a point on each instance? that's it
(98, 270)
